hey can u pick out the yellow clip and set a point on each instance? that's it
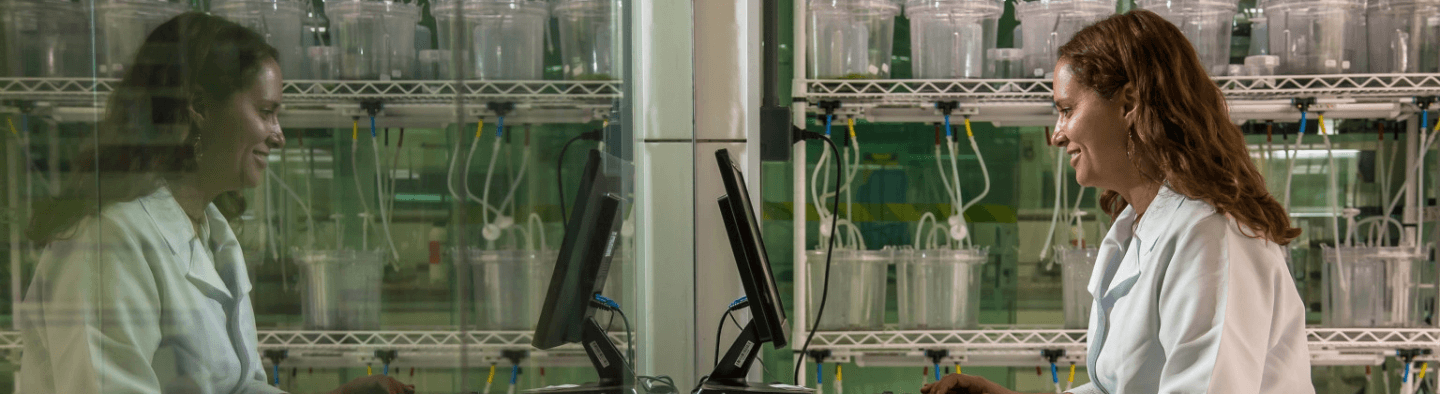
(838, 374)
(491, 379)
(12, 125)
(1072, 373)
(368, 372)
(957, 368)
(968, 133)
(1437, 126)
(850, 122)
(479, 126)
(1322, 123)
(355, 133)
(1423, 367)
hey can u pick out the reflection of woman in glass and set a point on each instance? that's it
(142, 286)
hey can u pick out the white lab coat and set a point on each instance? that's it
(132, 302)
(1190, 304)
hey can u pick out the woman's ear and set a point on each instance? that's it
(1129, 101)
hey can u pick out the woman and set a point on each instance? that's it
(1192, 292)
(141, 287)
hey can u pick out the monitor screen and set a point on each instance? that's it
(590, 238)
(749, 249)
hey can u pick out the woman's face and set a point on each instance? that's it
(238, 134)
(1092, 131)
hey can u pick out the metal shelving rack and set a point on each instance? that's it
(1000, 346)
(414, 348)
(1027, 102)
(324, 103)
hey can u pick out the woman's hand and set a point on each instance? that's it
(375, 384)
(964, 384)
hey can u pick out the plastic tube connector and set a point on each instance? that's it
(968, 132)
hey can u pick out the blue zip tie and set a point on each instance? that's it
(514, 372)
(277, 374)
(1424, 122)
(1054, 376)
(1302, 122)
(937, 372)
(819, 373)
(386, 372)
(827, 124)
(372, 127)
(948, 133)
(500, 128)
(1405, 377)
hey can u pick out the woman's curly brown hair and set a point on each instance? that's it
(1179, 131)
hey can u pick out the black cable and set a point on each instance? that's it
(825, 287)
(592, 135)
(719, 330)
(629, 341)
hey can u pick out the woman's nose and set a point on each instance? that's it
(276, 140)
(1059, 138)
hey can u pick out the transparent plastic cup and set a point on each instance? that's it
(1316, 37)
(1372, 287)
(952, 38)
(435, 65)
(506, 40)
(323, 63)
(376, 38)
(940, 289)
(1261, 65)
(1206, 23)
(278, 20)
(509, 287)
(1006, 63)
(1404, 36)
(44, 39)
(123, 27)
(588, 48)
(1048, 24)
(341, 289)
(851, 39)
(857, 289)
(1076, 265)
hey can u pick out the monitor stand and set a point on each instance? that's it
(729, 375)
(609, 363)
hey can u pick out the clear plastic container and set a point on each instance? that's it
(857, 289)
(1076, 264)
(506, 40)
(1207, 23)
(851, 39)
(588, 48)
(1404, 36)
(1372, 287)
(1048, 24)
(44, 39)
(376, 39)
(278, 20)
(1316, 37)
(322, 63)
(939, 289)
(952, 38)
(124, 26)
(435, 65)
(342, 289)
(509, 287)
(1006, 63)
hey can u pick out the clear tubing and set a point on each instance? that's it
(465, 179)
(450, 174)
(489, 175)
(957, 207)
(818, 182)
(920, 228)
(384, 212)
(539, 228)
(1290, 168)
(1425, 142)
(944, 178)
(1077, 222)
(1334, 188)
(359, 192)
(983, 171)
(309, 215)
(1055, 214)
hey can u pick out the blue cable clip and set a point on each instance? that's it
(739, 303)
(607, 302)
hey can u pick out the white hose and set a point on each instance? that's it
(944, 178)
(1055, 214)
(520, 176)
(309, 215)
(983, 171)
(450, 174)
(539, 228)
(1425, 142)
(1334, 184)
(360, 194)
(1290, 168)
(465, 180)
(1078, 222)
(384, 216)
(816, 183)
(920, 228)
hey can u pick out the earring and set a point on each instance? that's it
(196, 148)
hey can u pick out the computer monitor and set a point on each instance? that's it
(580, 271)
(768, 322)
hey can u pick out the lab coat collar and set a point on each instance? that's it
(1118, 240)
(179, 236)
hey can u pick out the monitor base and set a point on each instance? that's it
(587, 388)
(752, 388)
